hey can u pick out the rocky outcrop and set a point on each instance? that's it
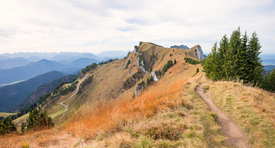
(141, 65)
(153, 75)
(199, 53)
(136, 49)
(140, 87)
(180, 46)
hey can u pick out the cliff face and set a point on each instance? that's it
(200, 54)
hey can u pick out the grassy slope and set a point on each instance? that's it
(168, 114)
(109, 78)
(188, 124)
(252, 109)
(3, 114)
(19, 120)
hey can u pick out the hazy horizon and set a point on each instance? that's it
(98, 26)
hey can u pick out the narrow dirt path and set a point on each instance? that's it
(74, 93)
(236, 137)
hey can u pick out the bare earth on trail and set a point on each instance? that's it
(236, 137)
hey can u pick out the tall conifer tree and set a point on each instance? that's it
(210, 63)
(237, 58)
(255, 62)
(222, 51)
(232, 60)
(243, 71)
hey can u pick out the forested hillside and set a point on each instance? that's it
(13, 94)
(39, 91)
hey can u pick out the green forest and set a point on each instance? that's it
(237, 58)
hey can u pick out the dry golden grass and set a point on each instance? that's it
(251, 108)
(155, 99)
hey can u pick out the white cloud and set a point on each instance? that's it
(100, 25)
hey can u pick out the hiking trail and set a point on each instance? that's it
(74, 93)
(236, 137)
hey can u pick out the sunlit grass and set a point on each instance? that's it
(251, 108)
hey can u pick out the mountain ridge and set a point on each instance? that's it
(28, 71)
(166, 111)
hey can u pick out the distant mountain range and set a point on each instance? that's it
(13, 94)
(31, 70)
(36, 68)
(31, 56)
(72, 56)
(8, 63)
(112, 54)
(63, 56)
(22, 66)
(269, 67)
(82, 62)
(2, 58)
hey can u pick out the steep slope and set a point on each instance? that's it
(123, 75)
(28, 71)
(41, 90)
(14, 94)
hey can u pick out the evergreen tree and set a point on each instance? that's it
(236, 59)
(222, 50)
(23, 126)
(7, 126)
(39, 121)
(210, 63)
(269, 81)
(243, 56)
(232, 61)
(255, 62)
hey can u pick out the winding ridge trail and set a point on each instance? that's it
(74, 93)
(236, 137)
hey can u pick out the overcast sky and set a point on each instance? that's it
(100, 25)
